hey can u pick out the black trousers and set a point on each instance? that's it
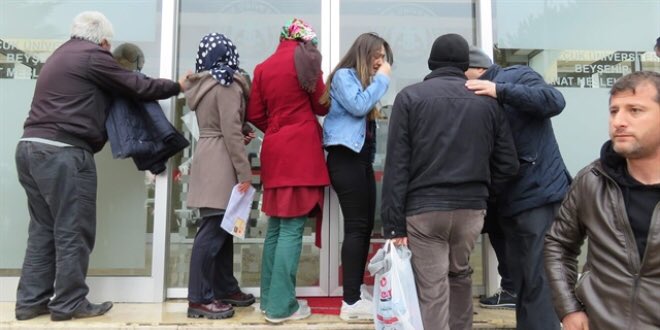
(211, 263)
(498, 241)
(352, 177)
(60, 183)
(525, 233)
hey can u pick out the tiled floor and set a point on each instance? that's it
(172, 315)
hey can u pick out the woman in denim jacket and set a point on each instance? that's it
(349, 135)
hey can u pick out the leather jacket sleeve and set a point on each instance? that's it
(562, 247)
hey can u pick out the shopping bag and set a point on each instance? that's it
(396, 306)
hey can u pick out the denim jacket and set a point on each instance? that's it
(345, 124)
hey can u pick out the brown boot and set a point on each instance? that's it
(239, 298)
(213, 310)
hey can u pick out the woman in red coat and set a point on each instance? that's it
(284, 103)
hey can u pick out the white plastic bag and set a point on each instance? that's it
(396, 306)
(190, 120)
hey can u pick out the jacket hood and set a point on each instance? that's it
(615, 166)
(203, 82)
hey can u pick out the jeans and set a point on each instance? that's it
(352, 177)
(60, 183)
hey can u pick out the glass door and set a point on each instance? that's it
(254, 28)
(410, 27)
(128, 259)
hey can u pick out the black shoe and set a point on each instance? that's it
(85, 310)
(502, 299)
(239, 298)
(30, 313)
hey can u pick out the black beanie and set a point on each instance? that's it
(450, 50)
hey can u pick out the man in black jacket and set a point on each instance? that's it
(446, 148)
(55, 164)
(527, 206)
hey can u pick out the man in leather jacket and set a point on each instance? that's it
(615, 204)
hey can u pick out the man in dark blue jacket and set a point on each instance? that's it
(528, 204)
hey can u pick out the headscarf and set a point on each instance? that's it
(296, 29)
(307, 57)
(218, 55)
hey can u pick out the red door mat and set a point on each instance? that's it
(324, 305)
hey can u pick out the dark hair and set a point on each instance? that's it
(129, 56)
(359, 58)
(630, 82)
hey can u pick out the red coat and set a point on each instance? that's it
(292, 152)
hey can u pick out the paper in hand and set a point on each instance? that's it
(238, 211)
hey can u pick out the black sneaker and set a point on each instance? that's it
(502, 299)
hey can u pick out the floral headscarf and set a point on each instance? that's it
(296, 29)
(219, 55)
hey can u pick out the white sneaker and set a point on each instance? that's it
(303, 312)
(364, 293)
(361, 310)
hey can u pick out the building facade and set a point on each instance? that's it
(145, 230)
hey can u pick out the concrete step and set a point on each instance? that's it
(172, 315)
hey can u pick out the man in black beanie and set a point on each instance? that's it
(526, 209)
(447, 147)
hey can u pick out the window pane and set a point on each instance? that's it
(581, 57)
(30, 31)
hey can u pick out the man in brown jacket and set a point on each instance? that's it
(614, 203)
(55, 164)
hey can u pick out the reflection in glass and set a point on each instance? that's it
(125, 196)
(581, 57)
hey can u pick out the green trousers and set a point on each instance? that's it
(279, 265)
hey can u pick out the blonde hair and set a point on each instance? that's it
(359, 57)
